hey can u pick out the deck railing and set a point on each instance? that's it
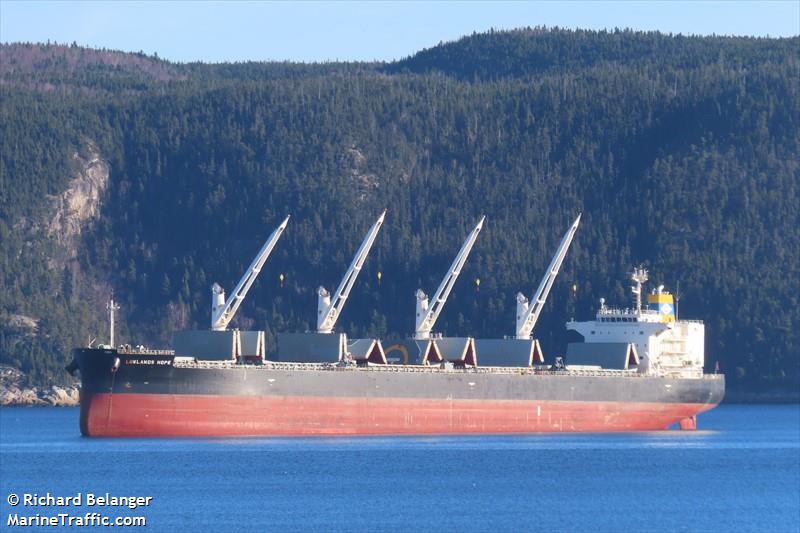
(411, 369)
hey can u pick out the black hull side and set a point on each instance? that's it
(157, 374)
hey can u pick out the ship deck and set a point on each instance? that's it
(536, 370)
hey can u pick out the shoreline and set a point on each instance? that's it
(14, 393)
(53, 396)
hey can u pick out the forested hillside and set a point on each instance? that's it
(681, 153)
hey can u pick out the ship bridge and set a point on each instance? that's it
(664, 344)
(607, 314)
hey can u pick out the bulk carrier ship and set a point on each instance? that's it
(636, 369)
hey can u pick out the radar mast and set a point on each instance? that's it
(639, 276)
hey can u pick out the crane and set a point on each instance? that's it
(328, 309)
(427, 315)
(223, 311)
(527, 315)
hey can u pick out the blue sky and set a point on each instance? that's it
(319, 31)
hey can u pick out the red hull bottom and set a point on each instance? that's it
(143, 415)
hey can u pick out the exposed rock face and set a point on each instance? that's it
(80, 202)
(60, 397)
(355, 163)
(12, 393)
(22, 323)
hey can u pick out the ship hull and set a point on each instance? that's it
(137, 395)
(151, 415)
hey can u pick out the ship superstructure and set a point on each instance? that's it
(651, 338)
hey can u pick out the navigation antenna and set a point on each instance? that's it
(639, 276)
(677, 299)
(111, 306)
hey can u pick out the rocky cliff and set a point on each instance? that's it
(79, 204)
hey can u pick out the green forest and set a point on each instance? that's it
(681, 153)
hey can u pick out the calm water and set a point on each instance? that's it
(740, 472)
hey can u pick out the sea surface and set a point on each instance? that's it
(739, 472)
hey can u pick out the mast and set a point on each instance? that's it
(223, 311)
(427, 315)
(527, 315)
(639, 276)
(328, 309)
(112, 307)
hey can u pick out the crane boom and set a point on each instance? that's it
(222, 311)
(427, 315)
(528, 315)
(328, 309)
